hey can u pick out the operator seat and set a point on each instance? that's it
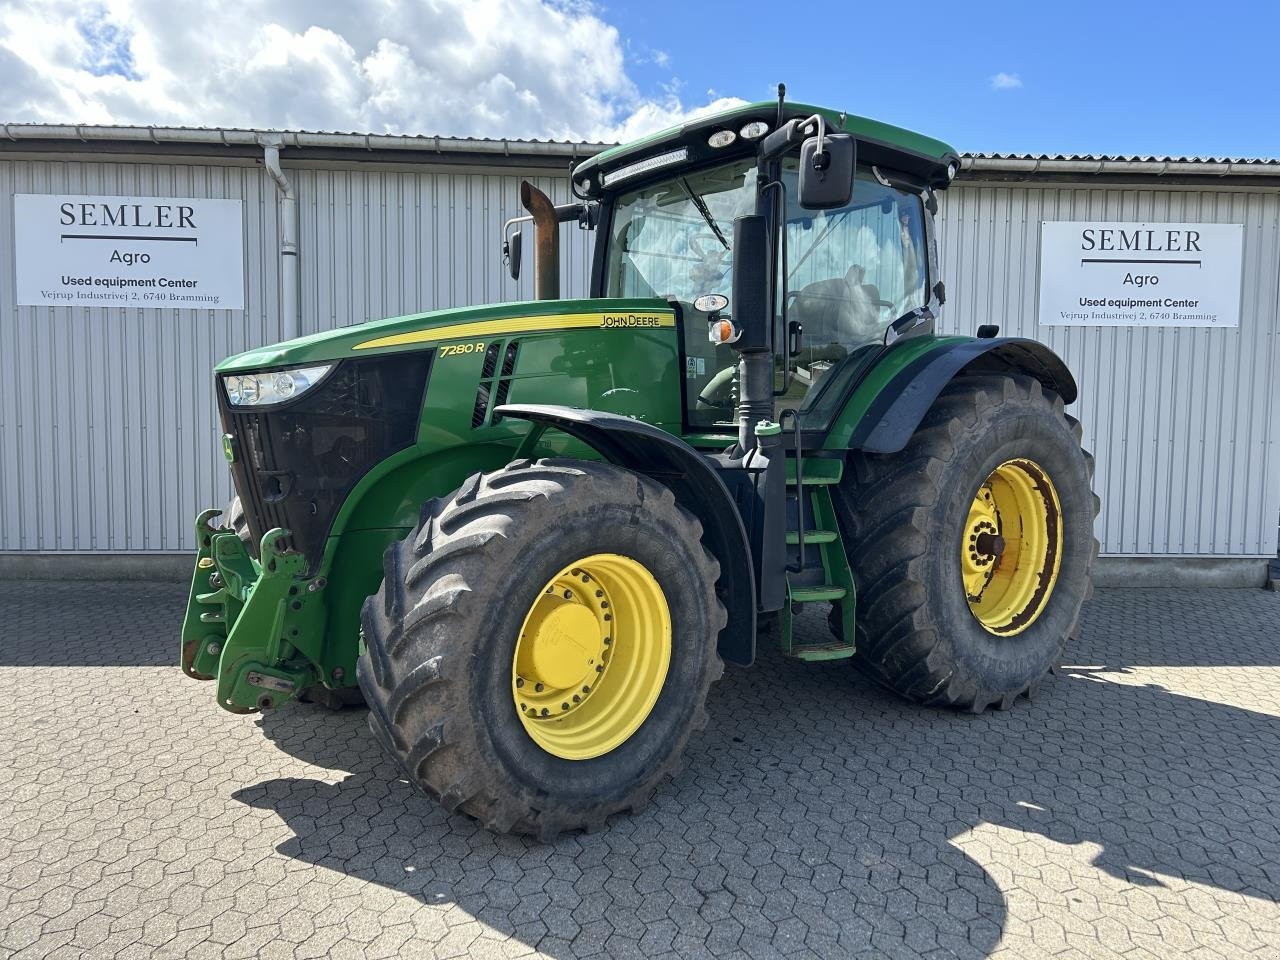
(841, 310)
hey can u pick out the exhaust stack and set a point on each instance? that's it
(546, 241)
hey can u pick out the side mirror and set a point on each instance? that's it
(511, 248)
(826, 174)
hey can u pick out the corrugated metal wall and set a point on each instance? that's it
(1183, 422)
(108, 436)
(108, 432)
(107, 426)
(385, 242)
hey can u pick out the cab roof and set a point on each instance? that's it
(924, 158)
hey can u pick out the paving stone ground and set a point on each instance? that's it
(1132, 810)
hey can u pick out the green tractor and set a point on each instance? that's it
(529, 535)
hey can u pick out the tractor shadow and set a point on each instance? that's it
(820, 812)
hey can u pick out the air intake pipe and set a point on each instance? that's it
(546, 241)
(752, 310)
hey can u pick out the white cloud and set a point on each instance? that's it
(1005, 81)
(496, 68)
(656, 114)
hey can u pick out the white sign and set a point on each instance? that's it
(1140, 274)
(129, 252)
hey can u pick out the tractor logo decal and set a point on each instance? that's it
(633, 320)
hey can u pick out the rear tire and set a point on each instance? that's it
(906, 517)
(441, 641)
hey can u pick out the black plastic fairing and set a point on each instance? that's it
(904, 401)
(295, 463)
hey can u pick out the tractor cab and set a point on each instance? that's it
(848, 272)
(844, 276)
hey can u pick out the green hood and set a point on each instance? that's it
(419, 330)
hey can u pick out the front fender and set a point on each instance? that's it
(638, 446)
(897, 406)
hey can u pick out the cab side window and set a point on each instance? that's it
(850, 273)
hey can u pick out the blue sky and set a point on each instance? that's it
(1089, 77)
(1119, 77)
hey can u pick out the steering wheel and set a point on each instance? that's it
(710, 268)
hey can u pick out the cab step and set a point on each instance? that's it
(827, 591)
(835, 650)
(821, 574)
(818, 471)
(812, 536)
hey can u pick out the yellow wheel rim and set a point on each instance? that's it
(1012, 547)
(592, 656)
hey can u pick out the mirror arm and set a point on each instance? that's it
(780, 141)
(506, 227)
(587, 215)
(573, 211)
(511, 247)
(789, 134)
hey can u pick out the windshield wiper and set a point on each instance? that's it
(706, 213)
(908, 321)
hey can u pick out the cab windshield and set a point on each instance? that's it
(849, 273)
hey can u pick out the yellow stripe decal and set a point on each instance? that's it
(501, 327)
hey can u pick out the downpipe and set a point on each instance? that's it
(546, 241)
(290, 319)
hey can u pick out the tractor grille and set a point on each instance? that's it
(295, 465)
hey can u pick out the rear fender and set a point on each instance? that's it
(898, 407)
(698, 488)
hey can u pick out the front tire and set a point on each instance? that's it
(233, 519)
(971, 548)
(493, 606)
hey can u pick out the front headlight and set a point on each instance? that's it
(272, 386)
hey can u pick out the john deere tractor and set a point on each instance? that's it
(530, 534)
